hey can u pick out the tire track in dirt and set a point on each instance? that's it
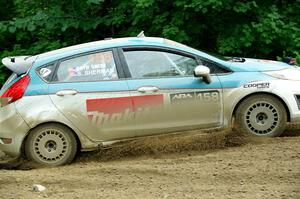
(168, 144)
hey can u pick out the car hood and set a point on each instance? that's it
(257, 65)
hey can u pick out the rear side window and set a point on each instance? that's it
(92, 67)
(146, 63)
(46, 72)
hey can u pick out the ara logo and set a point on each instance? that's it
(202, 96)
(182, 96)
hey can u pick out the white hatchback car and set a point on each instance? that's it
(81, 97)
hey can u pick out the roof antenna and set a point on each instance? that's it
(141, 34)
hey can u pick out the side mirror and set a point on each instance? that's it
(204, 72)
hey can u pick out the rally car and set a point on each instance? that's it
(85, 96)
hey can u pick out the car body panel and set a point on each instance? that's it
(187, 101)
(12, 127)
(258, 65)
(273, 87)
(39, 109)
(87, 111)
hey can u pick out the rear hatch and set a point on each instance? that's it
(19, 65)
(14, 88)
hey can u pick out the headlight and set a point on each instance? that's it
(287, 74)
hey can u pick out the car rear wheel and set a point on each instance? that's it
(262, 115)
(51, 144)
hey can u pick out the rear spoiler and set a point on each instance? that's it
(19, 64)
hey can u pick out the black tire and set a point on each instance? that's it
(51, 144)
(261, 115)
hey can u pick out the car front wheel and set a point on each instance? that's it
(51, 144)
(262, 115)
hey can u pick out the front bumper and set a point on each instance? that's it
(295, 112)
(13, 130)
(290, 93)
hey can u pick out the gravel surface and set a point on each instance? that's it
(2, 156)
(219, 165)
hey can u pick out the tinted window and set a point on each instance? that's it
(214, 67)
(46, 72)
(92, 67)
(143, 64)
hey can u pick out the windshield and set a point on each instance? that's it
(219, 56)
(174, 43)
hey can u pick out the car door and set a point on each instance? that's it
(166, 94)
(89, 90)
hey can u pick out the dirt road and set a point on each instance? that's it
(219, 165)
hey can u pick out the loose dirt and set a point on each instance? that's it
(194, 165)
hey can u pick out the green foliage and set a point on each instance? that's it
(266, 29)
(298, 60)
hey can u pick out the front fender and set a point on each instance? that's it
(234, 96)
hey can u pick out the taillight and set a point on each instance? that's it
(15, 91)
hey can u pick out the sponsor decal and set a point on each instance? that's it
(44, 72)
(205, 96)
(182, 96)
(258, 85)
(99, 64)
(121, 109)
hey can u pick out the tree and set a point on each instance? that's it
(265, 29)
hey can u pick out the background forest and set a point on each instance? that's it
(259, 28)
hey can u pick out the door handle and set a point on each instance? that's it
(66, 92)
(148, 89)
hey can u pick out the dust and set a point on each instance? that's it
(9, 164)
(150, 146)
(182, 142)
(155, 146)
(169, 144)
(292, 130)
(19, 164)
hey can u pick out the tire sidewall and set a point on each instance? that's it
(69, 136)
(240, 121)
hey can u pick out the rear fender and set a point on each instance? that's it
(37, 110)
